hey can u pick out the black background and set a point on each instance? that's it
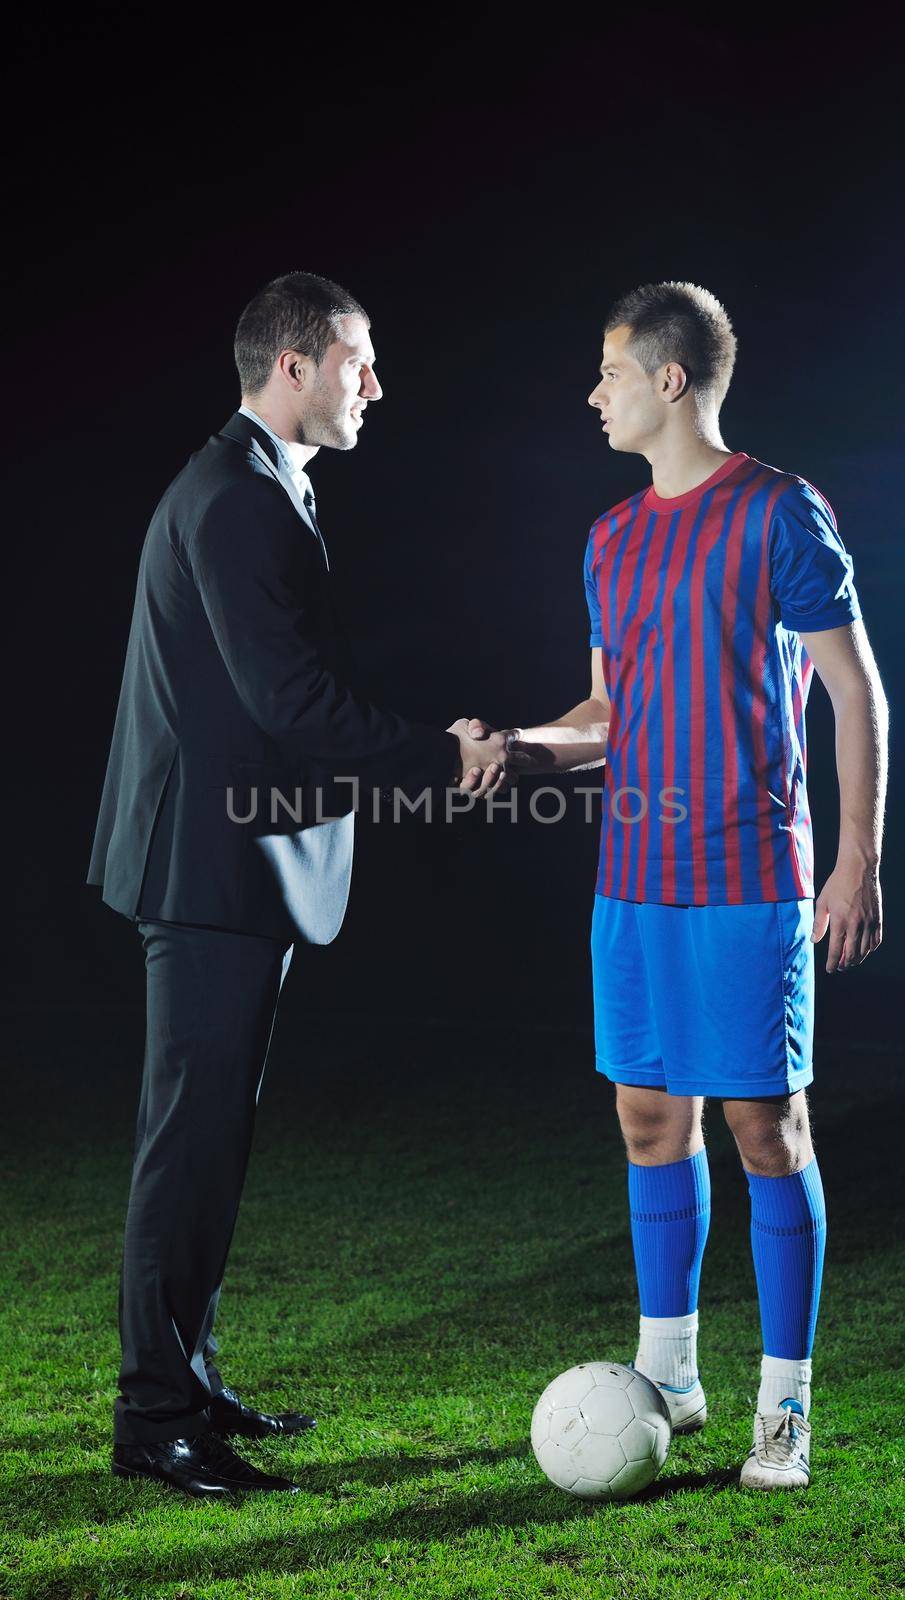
(486, 188)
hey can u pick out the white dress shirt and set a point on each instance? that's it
(292, 472)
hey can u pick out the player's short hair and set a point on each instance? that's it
(679, 322)
(298, 311)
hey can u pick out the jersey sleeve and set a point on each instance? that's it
(592, 593)
(810, 568)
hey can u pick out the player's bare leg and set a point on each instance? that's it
(658, 1127)
(788, 1236)
(669, 1198)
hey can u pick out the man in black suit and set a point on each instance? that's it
(225, 833)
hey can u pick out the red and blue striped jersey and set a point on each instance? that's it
(698, 604)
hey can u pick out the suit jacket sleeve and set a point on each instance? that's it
(254, 566)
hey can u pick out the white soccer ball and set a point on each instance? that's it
(601, 1431)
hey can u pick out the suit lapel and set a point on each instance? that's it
(242, 430)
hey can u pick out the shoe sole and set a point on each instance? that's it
(687, 1421)
(181, 1488)
(691, 1424)
(206, 1494)
(785, 1485)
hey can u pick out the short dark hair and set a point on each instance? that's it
(298, 311)
(679, 322)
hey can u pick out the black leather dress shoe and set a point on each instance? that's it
(203, 1466)
(229, 1415)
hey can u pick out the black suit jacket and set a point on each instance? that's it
(235, 676)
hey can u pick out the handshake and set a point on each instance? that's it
(491, 758)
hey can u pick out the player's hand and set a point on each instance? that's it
(520, 757)
(850, 905)
(483, 757)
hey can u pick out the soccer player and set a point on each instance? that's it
(714, 594)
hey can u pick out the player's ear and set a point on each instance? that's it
(675, 382)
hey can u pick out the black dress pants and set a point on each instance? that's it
(212, 998)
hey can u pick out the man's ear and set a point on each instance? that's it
(295, 369)
(675, 382)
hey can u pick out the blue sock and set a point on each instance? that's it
(670, 1217)
(788, 1240)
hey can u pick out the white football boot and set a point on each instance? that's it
(687, 1407)
(779, 1456)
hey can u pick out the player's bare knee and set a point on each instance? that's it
(657, 1128)
(648, 1147)
(773, 1137)
(643, 1122)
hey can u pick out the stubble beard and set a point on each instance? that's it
(326, 423)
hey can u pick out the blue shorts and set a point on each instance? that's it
(712, 1000)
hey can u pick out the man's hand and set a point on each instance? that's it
(483, 758)
(520, 757)
(850, 905)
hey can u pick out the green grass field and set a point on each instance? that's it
(434, 1226)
